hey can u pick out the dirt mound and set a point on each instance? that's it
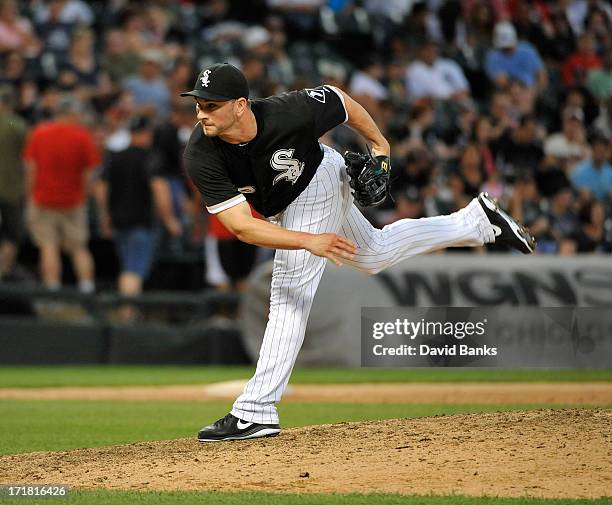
(569, 393)
(546, 453)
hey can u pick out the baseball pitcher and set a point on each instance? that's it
(266, 152)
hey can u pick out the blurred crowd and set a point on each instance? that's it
(513, 97)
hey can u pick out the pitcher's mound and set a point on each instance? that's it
(545, 453)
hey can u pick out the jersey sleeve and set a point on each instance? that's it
(212, 180)
(91, 154)
(327, 106)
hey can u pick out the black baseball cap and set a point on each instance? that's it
(221, 81)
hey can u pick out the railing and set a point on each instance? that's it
(66, 326)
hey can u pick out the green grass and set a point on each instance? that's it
(216, 498)
(48, 376)
(66, 424)
(46, 425)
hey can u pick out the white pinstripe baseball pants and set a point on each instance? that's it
(326, 205)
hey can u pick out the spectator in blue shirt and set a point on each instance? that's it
(511, 60)
(595, 175)
(149, 88)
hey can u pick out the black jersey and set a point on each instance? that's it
(271, 170)
(128, 174)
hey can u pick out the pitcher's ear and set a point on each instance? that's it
(243, 104)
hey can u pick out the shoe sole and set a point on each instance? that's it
(266, 432)
(519, 231)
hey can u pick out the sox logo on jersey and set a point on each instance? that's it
(290, 168)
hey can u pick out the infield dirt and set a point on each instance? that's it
(569, 393)
(544, 453)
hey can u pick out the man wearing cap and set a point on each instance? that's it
(511, 60)
(149, 87)
(128, 191)
(266, 152)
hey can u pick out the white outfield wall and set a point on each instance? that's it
(450, 279)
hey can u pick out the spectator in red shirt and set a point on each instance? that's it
(578, 64)
(60, 156)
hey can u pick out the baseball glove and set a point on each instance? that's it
(368, 176)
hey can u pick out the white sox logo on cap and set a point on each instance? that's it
(205, 78)
(220, 82)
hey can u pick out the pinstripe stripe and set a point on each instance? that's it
(326, 206)
(296, 337)
(296, 275)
